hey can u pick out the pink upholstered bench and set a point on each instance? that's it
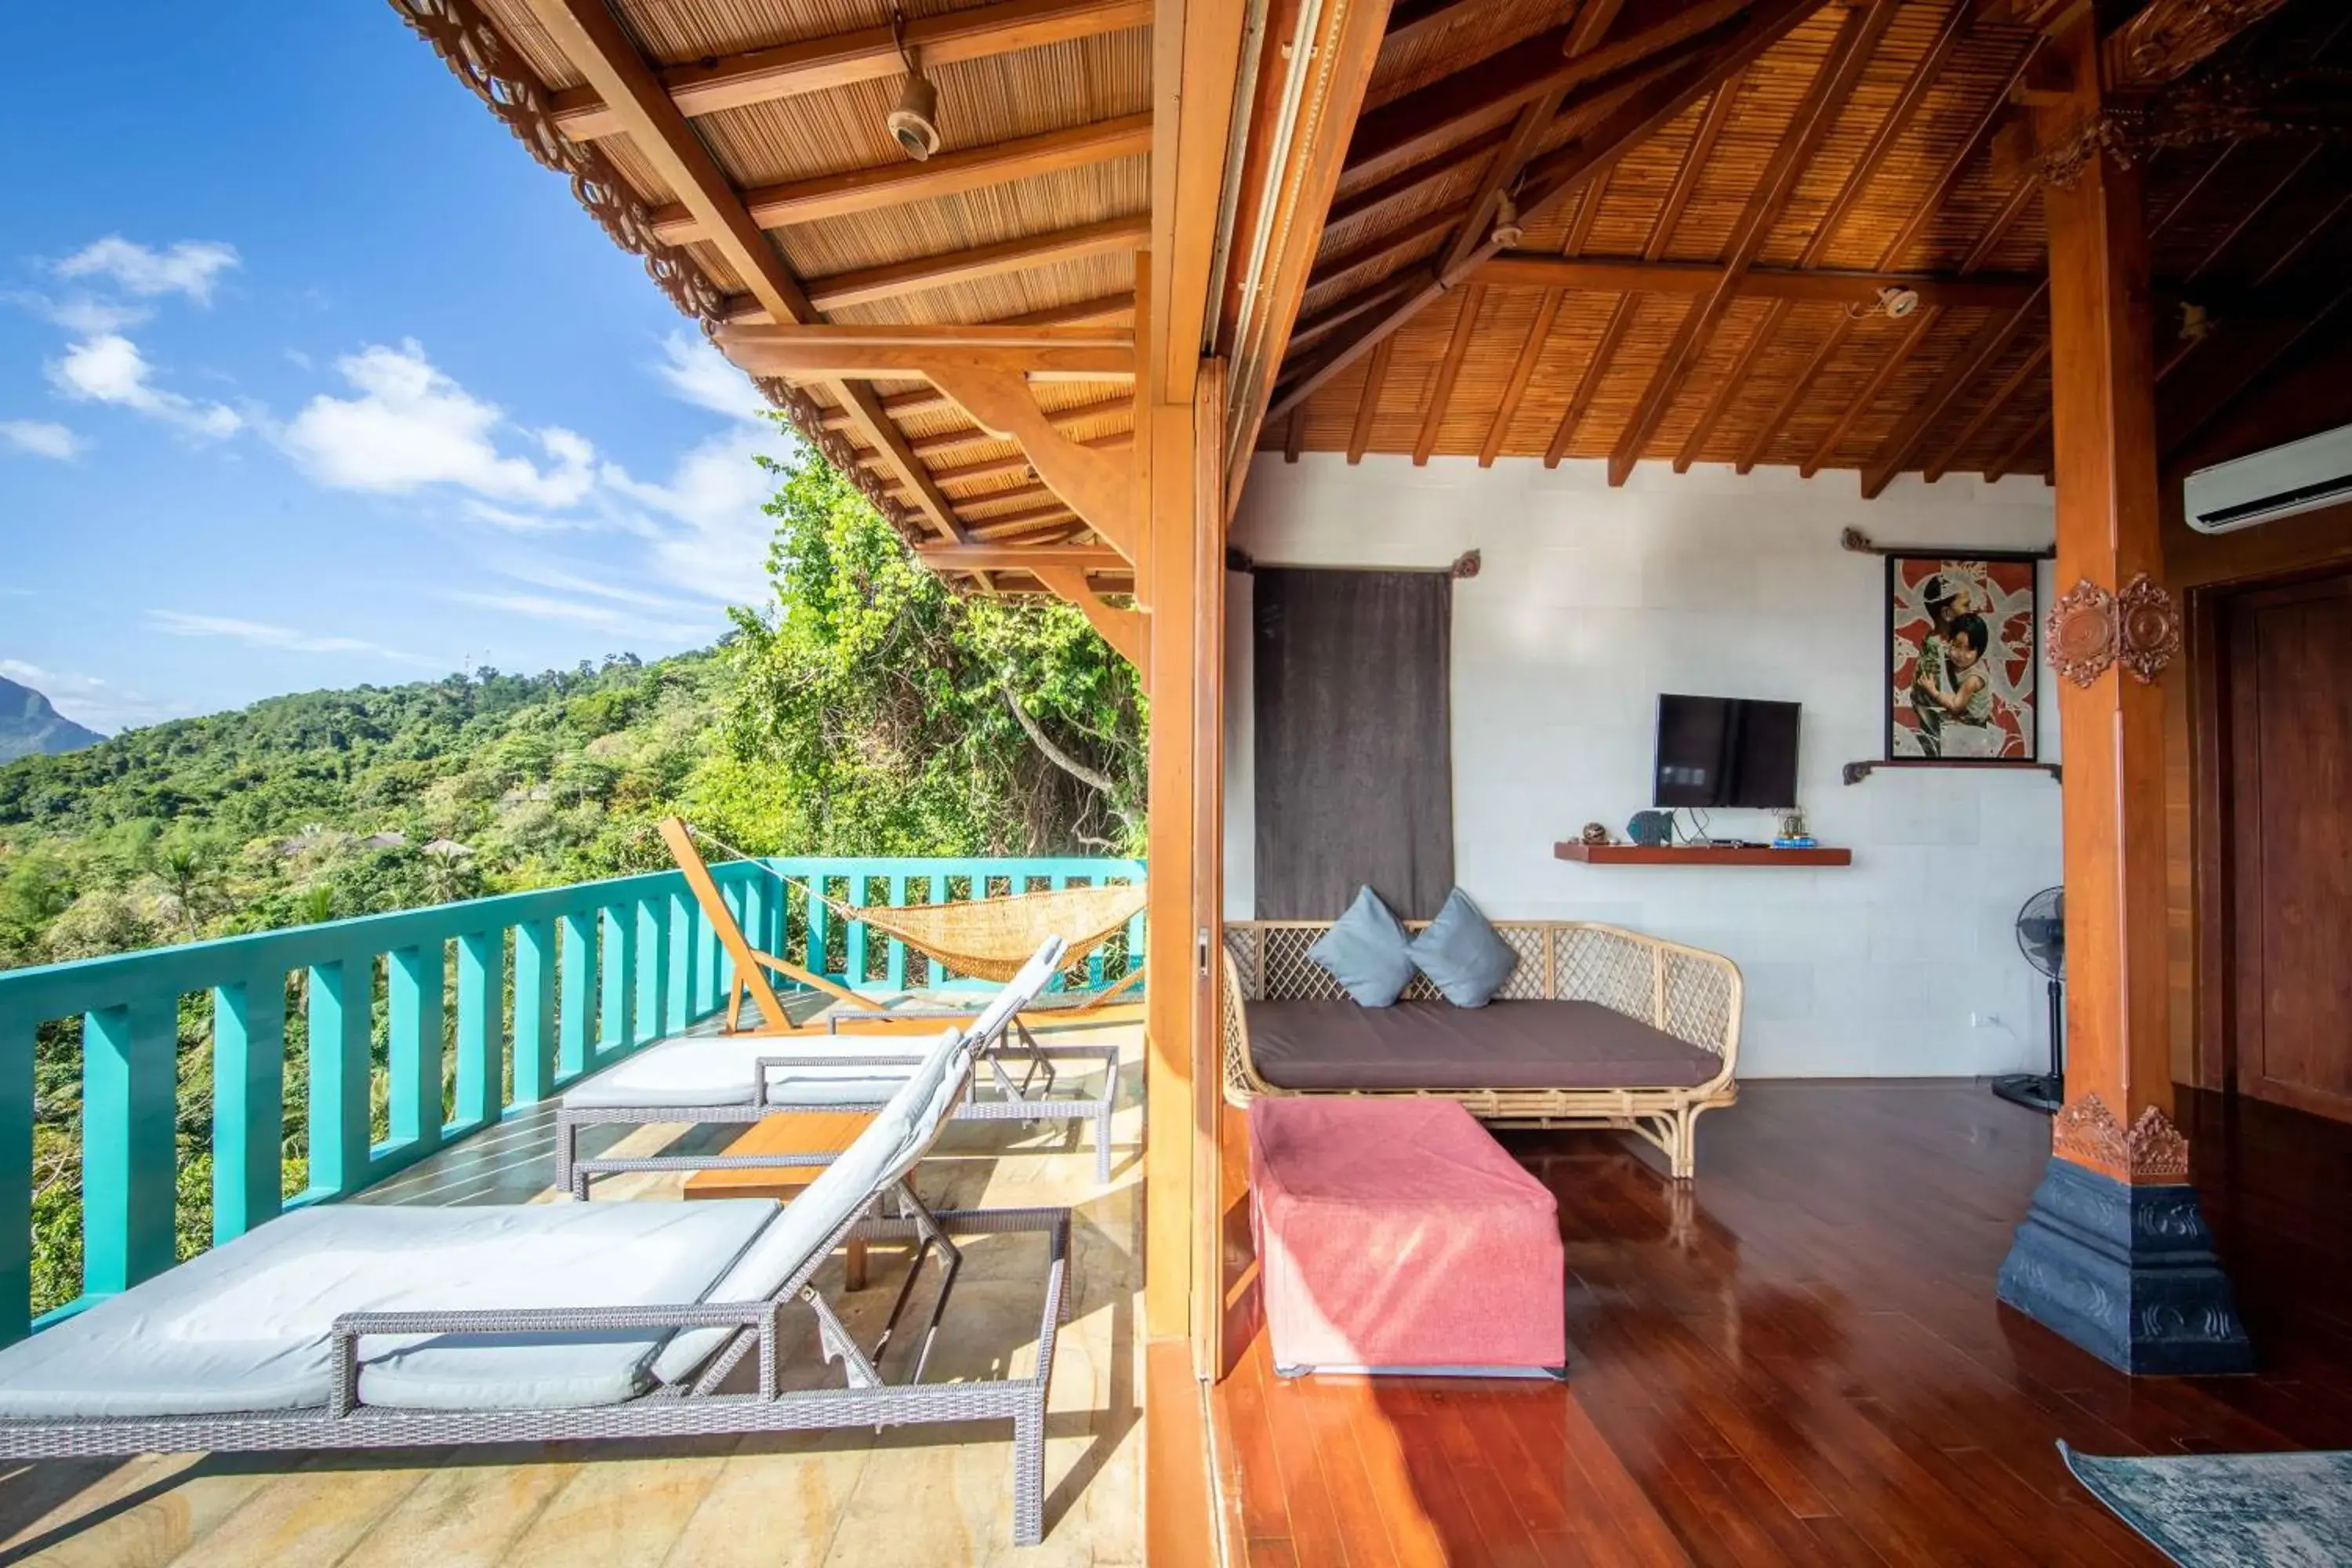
(1394, 1235)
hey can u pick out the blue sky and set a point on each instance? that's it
(310, 376)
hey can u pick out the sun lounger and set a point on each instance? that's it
(349, 1326)
(722, 1079)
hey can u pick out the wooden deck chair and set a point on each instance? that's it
(989, 938)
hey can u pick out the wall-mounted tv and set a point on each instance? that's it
(1727, 751)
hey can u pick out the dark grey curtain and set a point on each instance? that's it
(1354, 754)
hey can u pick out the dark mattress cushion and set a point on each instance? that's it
(1433, 1045)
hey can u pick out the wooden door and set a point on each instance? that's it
(2289, 750)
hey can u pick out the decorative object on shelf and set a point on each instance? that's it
(1651, 829)
(1594, 834)
(1793, 826)
(1961, 666)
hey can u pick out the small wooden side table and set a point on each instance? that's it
(788, 1132)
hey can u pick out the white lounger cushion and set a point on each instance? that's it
(716, 1069)
(246, 1326)
(888, 1148)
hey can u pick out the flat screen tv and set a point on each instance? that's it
(1726, 752)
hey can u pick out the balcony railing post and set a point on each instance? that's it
(16, 1037)
(678, 1010)
(250, 1102)
(129, 1156)
(342, 994)
(534, 1011)
(653, 968)
(895, 964)
(619, 968)
(413, 1023)
(576, 1019)
(481, 1031)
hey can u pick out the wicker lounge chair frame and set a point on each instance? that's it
(689, 1408)
(1691, 994)
(1028, 1100)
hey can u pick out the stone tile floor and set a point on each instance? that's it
(931, 1496)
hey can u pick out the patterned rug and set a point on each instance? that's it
(2231, 1511)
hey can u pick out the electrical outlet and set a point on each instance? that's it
(1985, 1021)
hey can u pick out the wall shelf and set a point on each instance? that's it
(1697, 854)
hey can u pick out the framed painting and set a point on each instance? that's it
(1962, 664)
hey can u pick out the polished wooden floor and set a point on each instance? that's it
(1800, 1360)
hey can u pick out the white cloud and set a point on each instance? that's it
(110, 369)
(604, 617)
(259, 634)
(716, 535)
(699, 373)
(411, 426)
(190, 267)
(41, 439)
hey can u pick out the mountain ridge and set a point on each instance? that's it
(31, 726)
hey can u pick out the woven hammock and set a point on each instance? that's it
(991, 939)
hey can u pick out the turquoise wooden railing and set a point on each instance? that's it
(526, 992)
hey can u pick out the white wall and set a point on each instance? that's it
(1592, 601)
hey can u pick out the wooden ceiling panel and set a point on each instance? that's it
(1461, 36)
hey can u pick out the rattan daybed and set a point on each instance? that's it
(1665, 1004)
(352, 1326)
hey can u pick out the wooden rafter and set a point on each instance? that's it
(866, 284)
(1662, 231)
(1126, 630)
(1625, 115)
(1466, 323)
(1729, 387)
(1367, 403)
(1979, 137)
(1833, 84)
(1334, 317)
(947, 173)
(1876, 387)
(2032, 366)
(1094, 560)
(833, 352)
(1410, 21)
(590, 37)
(1496, 86)
(1405, 181)
(1522, 371)
(840, 59)
(1817, 286)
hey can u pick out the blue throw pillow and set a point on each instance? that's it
(1461, 953)
(1366, 951)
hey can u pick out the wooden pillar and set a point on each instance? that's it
(2114, 1254)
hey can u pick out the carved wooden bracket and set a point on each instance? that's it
(2168, 38)
(1097, 486)
(2088, 1133)
(2090, 628)
(1129, 631)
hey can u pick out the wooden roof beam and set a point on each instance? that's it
(839, 352)
(1833, 85)
(1406, 181)
(1979, 136)
(1625, 115)
(1729, 388)
(1465, 322)
(1662, 230)
(2031, 366)
(1126, 630)
(840, 59)
(590, 37)
(946, 174)
(1089, 558)
(1368, 402)
(1523, 371)
(866, 284)
(1496, 86)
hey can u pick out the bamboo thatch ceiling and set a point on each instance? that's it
(1712, 193)
(1887, 123)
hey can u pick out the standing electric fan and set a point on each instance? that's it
(2042, 937)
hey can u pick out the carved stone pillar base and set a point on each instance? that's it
(2126, 1272)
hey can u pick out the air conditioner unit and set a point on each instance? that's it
(2302, 475)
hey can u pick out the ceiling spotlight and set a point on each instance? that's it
(1894, 302)
(1508, 232)
(914, 123)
